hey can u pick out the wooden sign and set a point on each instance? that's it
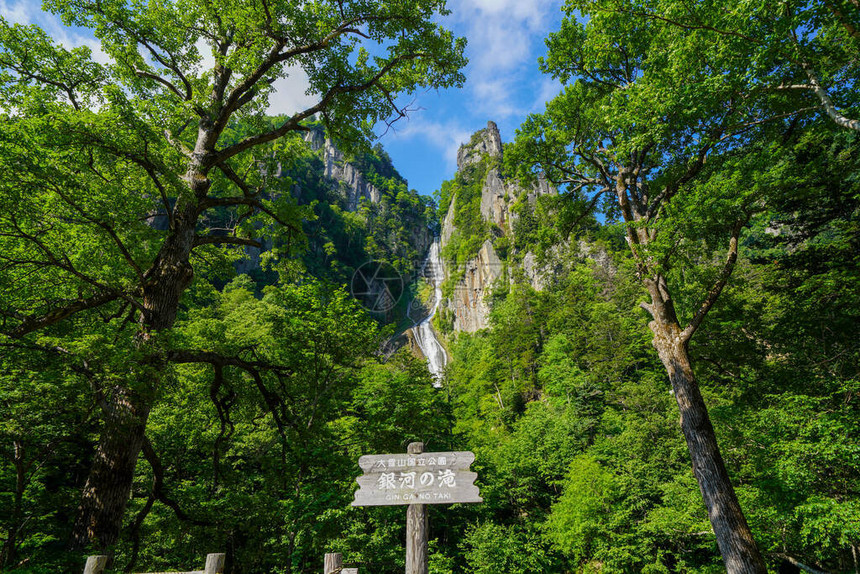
(416, 478)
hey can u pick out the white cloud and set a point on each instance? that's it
(18, 12)
(548, 89)
(531, 10)
(27, 12)
(504, 37)
(207, 59)
(290, 94)
(495, 96)
(71, 40)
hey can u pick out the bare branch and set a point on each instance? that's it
(794, 87)
(827, 102)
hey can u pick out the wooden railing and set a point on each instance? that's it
(214, 565)
(333, 564)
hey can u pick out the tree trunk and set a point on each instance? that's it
(126, 410)
(734, 537)
(108, 487)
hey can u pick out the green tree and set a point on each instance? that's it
(788, 57)
(121, 168)
(652, 132)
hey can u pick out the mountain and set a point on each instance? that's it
(357, 208)
(497, 231)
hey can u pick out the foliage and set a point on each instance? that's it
(269, 385)
(463, 195)
(141, 181)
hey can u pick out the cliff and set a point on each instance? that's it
(362, 209)
(336, 168)
(469, 300)
(479, 164)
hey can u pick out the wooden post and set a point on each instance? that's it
(333, 563)
(215, 563)
(416, 529)
(95, 564)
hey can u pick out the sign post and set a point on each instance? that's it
(416, 479)
(416, 528)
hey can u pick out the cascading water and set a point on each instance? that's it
(425, 337)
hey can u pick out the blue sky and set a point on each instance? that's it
(503, 84)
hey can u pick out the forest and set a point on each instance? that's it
(649, 301)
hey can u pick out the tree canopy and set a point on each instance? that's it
(134, 177)
(676, 119)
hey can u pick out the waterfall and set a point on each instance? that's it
(423, 331)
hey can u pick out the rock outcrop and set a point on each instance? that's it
(448, 224)
(485, 142)
(468, 300)
(495, 206)
(340, 170)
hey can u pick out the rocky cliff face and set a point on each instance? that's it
(484, 142)
(468, 300)
(495, 200)
(336, 168)
(395, 222)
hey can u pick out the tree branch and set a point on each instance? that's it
(237, 96)
(793, 561)
(826, 102)
(293, 124)
(216, 239)
(158, 485)
(249, 201)
(185, 356)
(852, 31)
(160, 80)
(714, 293)
(107, 227)
(63, 262)
(31, 324)
(683, 26)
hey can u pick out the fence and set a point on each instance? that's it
(333, 564)
(214, 565)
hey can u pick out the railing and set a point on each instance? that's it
(333, 564)
(214, 565)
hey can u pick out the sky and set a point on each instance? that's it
(503, 83)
